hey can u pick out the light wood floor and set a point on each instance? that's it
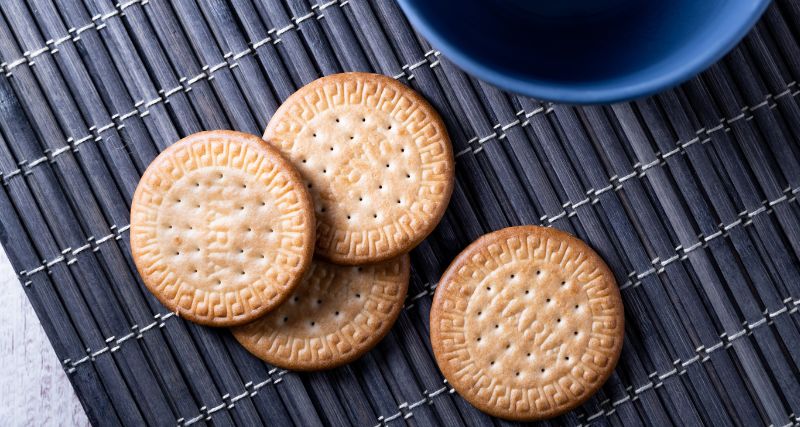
(34, 388)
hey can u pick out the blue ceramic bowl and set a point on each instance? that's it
(584, 51)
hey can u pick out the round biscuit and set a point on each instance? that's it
(527, 323)
(222, 228)
(376, 158)
(336, 315)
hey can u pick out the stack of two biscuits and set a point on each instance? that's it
(298, 240)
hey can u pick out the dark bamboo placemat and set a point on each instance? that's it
(691, 197)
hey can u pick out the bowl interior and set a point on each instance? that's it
(595, 48)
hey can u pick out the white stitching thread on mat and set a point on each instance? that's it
(406, 410)
(614, 181)
(25, 166)
(615, 184)
(315, 11)
(523, 115)
(724, 123)
(229, 402)
(428, 288)
(29, 55)
(70, 366)
(69, 254)
(98, 23)
(745, 218)
(791, 306)
(703, 355)
(51, 45)
(136, 332)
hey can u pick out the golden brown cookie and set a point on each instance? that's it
(222, 228)
(336, 315)
(376, 158)
(527, 323)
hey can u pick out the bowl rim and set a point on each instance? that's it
(585, 93)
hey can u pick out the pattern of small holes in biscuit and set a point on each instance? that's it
(532, 314)
(350, 174)
(192, 237)
(336, 314)
(213, 226)
(381, 182)
(528, 301)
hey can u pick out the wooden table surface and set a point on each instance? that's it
(34, 388)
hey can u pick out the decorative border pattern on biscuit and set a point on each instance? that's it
(527, 323)
(336, 315)
(376, 158)
(222, 228)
